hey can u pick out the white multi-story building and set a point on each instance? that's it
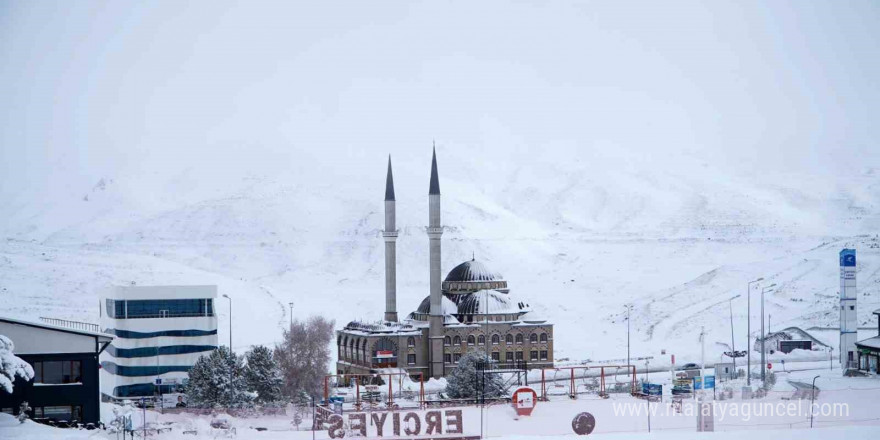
(160, 333)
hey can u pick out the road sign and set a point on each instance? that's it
(709, 382)
(524, 400)
(652, 389)
(698, 383)
(769, 366)
(583, 423)
(158, 381)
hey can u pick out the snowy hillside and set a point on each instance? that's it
(577, 240)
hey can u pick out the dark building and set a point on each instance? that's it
(869, 351)
(64, 355)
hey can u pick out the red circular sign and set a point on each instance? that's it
(769, 366)
(524, 400)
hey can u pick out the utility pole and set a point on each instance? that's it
(291, 314)
(732, 344)
(812, 398)
(628, 309)
(763, 335)
(749, 331)
(703, 354)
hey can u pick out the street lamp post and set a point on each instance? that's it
(291, 314)
(749, 330)
(628, 309)
(812, 397)
(732, 344)
(231, 353)
(763, 336)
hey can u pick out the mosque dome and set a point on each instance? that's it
(449, 307)
(471, 276)
(491, 302)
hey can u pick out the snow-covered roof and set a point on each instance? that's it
(792, 333)
(870, 342)
(490, 302)
(472, 270)
(448, 307)
(100, 335)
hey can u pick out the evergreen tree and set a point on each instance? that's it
(263, 376)
(11, 366)
(466, 380)
(217, 381)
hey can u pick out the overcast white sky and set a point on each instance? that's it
(90, 88)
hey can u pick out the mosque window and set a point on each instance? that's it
(447, 358)
(471, 340)
(456, 357)
(508, 339)
(533, 355)
(543, 355)
(410, 341)
(496, 356)
(496, 339)
(456, 340)
(519, 339)
(481, 340)
(447, 341)
(543, 337)
(411, 359)
(519, 355)
(508, 356)
(533, 338)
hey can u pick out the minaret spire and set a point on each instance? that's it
(390, 236)
(436, 318)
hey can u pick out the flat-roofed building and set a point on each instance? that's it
(64, 355)
(160, 333)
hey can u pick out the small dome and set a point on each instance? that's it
(472, 270)
(449, 307)
(497, 303)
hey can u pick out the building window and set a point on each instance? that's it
(519, 355)
(456, 340)
(160, 308)
(533, 338)
(508, 356)
(411, 341)
(411, 359)
(481, 340)
(533, 355)
(471, 340)
(852, 307)
(57, 372)
(447, 358)
(456, 357)
(447, 341)
(508, 339)
(543, 355)
(543, 337)
(496, 339)
(68, 413)
(519, 339)
(496, 356)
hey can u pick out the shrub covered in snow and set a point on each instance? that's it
(11, 365)
(217, 381)
(466, 381)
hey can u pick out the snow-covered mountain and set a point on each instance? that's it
(575, 238)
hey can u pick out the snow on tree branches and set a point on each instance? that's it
(467, 382)
(263, 376)
(217, 381)
(11, 365)
(303, 356)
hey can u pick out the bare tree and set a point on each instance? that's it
(304, 355)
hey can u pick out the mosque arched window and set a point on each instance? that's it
(543, 337)
(519, 339)
(456, 340)
(508, 339)
(471, 340)
(496, 339)
(533, 338)
(447, 341)
(481, 340)
(410, 341)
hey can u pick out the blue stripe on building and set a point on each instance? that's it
(152, 351)
(128, 334)
(122, 370)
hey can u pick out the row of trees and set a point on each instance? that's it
(291, 372)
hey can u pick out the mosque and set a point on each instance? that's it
(471, 309)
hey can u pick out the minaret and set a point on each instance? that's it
(390, 236)
(848, 321)
(435, 331)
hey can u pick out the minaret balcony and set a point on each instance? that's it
(434, 231)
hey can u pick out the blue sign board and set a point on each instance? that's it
(652, 389)
(704, 383)
(848, 258)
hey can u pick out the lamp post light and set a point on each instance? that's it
(749, 330)
(763, 336)
(732, 344)
(812, 398)
(291, 314)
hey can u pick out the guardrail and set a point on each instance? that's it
(77, 325)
